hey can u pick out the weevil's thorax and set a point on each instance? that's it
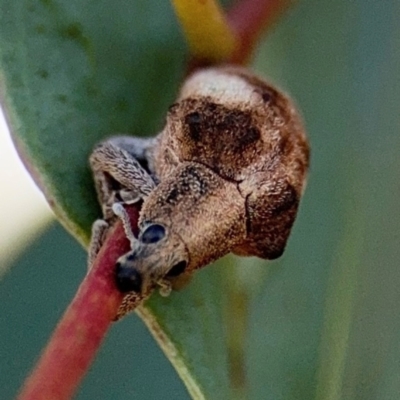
(199, 207)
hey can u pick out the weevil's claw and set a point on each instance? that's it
(165, 287)
(99, 229)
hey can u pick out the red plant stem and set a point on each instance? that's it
(249, 18)
(78, 335)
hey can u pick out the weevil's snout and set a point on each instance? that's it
(127, 278)
(155, 257)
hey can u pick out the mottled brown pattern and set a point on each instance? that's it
(231, 163)
(261, 146)
(202, 200)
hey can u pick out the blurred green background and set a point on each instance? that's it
(326, 323)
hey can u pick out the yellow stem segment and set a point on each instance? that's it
(206, 29)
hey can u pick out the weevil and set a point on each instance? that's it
(226, 174)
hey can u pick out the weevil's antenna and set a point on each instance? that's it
(120, 212)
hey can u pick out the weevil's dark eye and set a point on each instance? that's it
(177, 269)
(128, 279)
(153, 234)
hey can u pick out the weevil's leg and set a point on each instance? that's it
(139, 148)
(118, 175)
(122, 168)
(120, 212)
(99, 228)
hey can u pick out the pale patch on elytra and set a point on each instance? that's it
(232, 90)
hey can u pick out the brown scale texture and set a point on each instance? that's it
(191, 203)
(257, 149)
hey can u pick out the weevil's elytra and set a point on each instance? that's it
(237, 133)
(226, 174)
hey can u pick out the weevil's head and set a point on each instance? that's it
(157, 255)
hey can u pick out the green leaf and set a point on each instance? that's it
(322, 322)
(75, 72)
